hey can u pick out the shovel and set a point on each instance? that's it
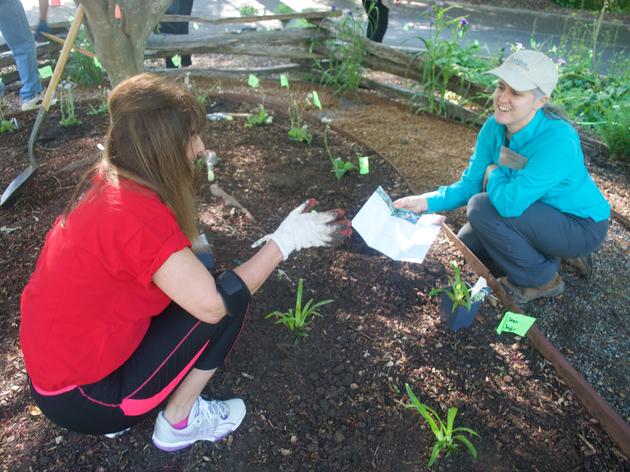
(26, 174)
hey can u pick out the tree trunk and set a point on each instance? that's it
(120, 43)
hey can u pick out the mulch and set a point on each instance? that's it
(334, 401)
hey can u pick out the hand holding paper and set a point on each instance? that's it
(399, 234)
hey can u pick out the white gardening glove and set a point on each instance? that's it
(303, 228)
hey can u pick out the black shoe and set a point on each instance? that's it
(582, 266)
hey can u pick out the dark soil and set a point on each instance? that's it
(334, 401)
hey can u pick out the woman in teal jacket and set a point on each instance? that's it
(530, 200)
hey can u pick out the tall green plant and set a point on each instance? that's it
(345, 56)
(81, 69)
(441, 60)
(447, 436)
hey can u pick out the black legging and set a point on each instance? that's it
(377, 19)
(175, 342)
(178, 7)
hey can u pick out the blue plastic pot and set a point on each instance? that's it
(460, 318)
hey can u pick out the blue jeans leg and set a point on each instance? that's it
(16, 31)
(528, 248)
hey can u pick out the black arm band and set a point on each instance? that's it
(234, 292)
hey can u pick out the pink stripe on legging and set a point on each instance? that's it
(131, 407)
(50, 393)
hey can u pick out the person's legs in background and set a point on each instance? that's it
(178, 7)
(17, 32)
(378, 15)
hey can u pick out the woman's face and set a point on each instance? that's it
(195, 147)
(514, 109)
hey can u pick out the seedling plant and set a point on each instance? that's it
(262, 117)
(458, 291)
(339, 166)
(447, 436)
(299, 130)
(299, 320)
(66, 106)
(6, 126)
(102, 105)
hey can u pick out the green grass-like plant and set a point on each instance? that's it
(447, 58)
(300, 318)
(66, 106)
(345, 56)
(447, 435)
(458, 290)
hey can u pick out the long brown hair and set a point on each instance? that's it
(152, 121)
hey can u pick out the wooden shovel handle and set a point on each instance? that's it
(63, 57)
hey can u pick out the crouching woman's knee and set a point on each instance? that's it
(480, 210)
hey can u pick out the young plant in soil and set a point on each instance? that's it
(299, 320)
(6, 126)
(262, 117)
(66, 106)
(202, 97)
(102, 106)
(446, 435)
(339, 166)
(299, 130)
(458, 291)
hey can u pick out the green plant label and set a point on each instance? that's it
(284, 81)
(45, 72)
(316, 101)
(253, 81)
(515, 323)
(176, 60)
(97, 63)
(364, 165)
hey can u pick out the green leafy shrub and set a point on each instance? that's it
(81, 69)
(248, 10)
(447, 436)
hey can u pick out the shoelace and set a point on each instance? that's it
(213, 408)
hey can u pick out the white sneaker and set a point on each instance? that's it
(208, 421)
(35, 102)
(115, 435)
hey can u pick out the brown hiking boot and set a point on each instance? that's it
(523, 295)
(582, 266)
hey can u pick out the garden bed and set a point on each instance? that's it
(333, 401)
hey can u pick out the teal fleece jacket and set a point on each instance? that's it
(554, 174)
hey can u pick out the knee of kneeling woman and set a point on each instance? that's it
(478, 208)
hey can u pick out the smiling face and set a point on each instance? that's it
(514, 109)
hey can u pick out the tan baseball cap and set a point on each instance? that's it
(526, 70)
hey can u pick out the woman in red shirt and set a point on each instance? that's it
(119, 315)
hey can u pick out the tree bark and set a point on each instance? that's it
(120, 43)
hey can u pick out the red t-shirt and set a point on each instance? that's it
(90, 300)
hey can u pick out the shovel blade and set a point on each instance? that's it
(15, 185)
